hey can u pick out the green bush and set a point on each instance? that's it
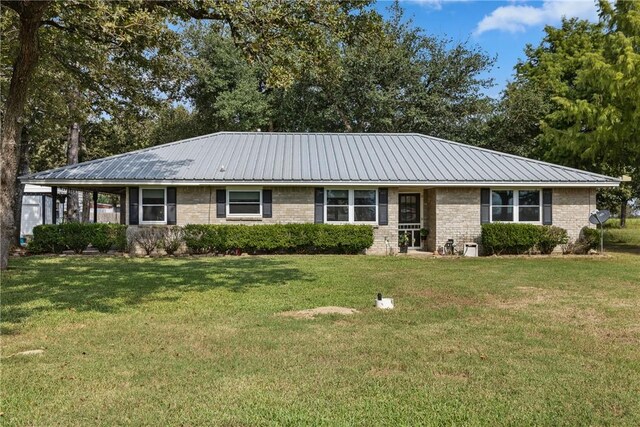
(278, 238)
(55, 238)
(46, 239)
(505, 238)
(76, 236)
(550, 237)
(589, 238)
(107, 236)
(513, 238)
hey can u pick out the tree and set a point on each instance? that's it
(389, 76)
(602, 126)
(135, 32)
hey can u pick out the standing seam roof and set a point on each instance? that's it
(322, 157)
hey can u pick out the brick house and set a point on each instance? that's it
(399, 183)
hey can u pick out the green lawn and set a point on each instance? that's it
(196, 341)
(623, 239)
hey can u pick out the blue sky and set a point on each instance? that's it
(501, 28)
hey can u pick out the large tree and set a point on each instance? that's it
(137, 31)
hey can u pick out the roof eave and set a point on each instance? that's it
(124, 183)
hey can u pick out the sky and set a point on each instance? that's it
(501, 28)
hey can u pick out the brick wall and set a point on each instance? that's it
(384, 233)
(571, 209)
(197, 205)
(457, 216)
(448, 213)
(457, 213)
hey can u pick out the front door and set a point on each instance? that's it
(409, 217)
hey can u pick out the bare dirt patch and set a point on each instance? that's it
(311, 313)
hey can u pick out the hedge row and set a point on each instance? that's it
(277, 238)
(77, 237)
(504, 238)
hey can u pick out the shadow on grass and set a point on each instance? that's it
(109, 284)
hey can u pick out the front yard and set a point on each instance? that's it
(197, 341)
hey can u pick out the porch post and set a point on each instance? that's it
(95, 207)
(54, 205)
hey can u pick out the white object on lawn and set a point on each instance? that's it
(384, 303)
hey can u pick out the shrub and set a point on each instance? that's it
(202, 238)
(589, 239)
(171, 239)
(46, 239)
(76, 236)
(498, 238)
(107, 236)
(278, 238)
(147, 237)
(550, 237)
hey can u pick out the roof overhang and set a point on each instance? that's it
(479, 184)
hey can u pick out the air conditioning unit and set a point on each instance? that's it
(470, 249)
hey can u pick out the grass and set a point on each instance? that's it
(197, 341)
(623, 239)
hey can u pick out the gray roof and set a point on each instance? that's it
(317, 158)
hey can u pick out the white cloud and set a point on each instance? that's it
(517, 18)
(435, 4)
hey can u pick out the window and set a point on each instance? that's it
(152, 205)
(244, 202)
(338, 205)
(364, 205)
(351, 205)
(515, 206)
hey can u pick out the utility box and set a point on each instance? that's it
(470, 249)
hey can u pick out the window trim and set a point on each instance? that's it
(516, 205)
(351, 205)
(243, 215)
(141, 206)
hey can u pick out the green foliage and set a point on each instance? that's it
(509, 238)
(550, 238)
(107, 236)
(77, 236)
(590, 238)
(46, 239)
(278, 238)
(504, 238)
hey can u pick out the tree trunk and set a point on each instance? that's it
(623, 213)
(23, 67)
(73, 148)
(23, 169)
(87, 200)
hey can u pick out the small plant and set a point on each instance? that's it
(403, 239)
(424, 232)
(550, 238)
(148, 238)
(171, 239)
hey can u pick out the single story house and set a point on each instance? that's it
(395, 182)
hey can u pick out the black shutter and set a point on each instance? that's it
(221, 203)
(383, 206)
(547, 203)
(133, 206)
(485, 205)
(266, 203)
(319, 206)
(171, 206)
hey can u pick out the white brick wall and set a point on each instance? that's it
(449, 213)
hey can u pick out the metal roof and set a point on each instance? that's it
(317, 158)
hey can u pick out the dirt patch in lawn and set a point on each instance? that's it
(311, 313)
